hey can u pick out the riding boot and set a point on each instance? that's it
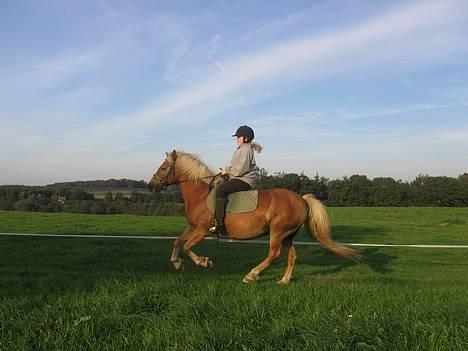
(220, 213)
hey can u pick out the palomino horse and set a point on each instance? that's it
(280, 213)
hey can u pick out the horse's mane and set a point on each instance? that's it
(193, 167)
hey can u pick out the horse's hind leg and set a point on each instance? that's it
(292, 256)
(273, 255)
(279, 235)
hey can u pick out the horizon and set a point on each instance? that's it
(268, 173)
(101, 90)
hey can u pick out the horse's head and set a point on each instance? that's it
(165, 174)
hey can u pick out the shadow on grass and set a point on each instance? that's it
(373, 257)
(354, 233)
(29, 265)
(377, 260)
(32, 265)
(329, 263)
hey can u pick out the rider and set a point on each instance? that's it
(242, 174)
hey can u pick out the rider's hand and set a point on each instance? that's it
(223, 171)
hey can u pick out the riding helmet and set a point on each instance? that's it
(245, 131)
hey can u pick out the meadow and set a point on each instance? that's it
(108, 294)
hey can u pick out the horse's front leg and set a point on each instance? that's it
(193, 239)
(175, 259)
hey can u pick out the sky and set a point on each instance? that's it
(99, 89)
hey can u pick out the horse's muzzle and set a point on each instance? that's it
(154, 187)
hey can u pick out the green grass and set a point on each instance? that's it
(108, 294)
(73, 223)
(383, 225)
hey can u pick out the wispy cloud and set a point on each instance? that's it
(47, 73)
(176, 81)
(380, 41)
(341, 115)
(57, 69)
(214, 42)
(311, 57)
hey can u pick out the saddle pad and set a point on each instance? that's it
(238, 202)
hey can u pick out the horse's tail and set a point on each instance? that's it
(317, 223)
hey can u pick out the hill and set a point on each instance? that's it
(101, 184)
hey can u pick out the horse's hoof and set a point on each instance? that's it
(282, 282)
(179, 265)
(250, 279)
(205, 262)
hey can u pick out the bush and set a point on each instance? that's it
(27, 204)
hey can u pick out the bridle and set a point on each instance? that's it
(165, 182)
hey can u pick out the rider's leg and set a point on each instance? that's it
(222, 192)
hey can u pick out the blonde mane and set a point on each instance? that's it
(193, 167)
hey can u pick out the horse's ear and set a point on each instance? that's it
(171, 156)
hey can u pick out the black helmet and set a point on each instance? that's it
(245, 131)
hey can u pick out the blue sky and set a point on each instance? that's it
(101, 89)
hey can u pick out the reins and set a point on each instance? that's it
(166, 184)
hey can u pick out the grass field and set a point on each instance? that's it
(107, 294)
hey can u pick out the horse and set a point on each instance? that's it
(280, 213)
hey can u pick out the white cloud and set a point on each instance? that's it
(343, 115)
(417, 35)
(57, 69)
(45, 73)
(390, 39)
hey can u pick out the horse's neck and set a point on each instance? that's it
(193, 192)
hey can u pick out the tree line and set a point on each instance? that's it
(101, 184)
(356, 190)
(47, 199)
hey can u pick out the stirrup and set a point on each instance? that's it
(220, 230)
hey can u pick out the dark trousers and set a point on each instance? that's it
(231, 186)
(222, 192)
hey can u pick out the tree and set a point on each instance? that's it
(136, 196)
(119, 197)
(108, 196)
(360, 190)
(385, 192)
(339, 191)
(28, 204)
(319, 186)
(463, 177)
(418, 194)
(99, 207)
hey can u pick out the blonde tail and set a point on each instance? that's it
(317, 223)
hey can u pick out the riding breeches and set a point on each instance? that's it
(231, 186)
